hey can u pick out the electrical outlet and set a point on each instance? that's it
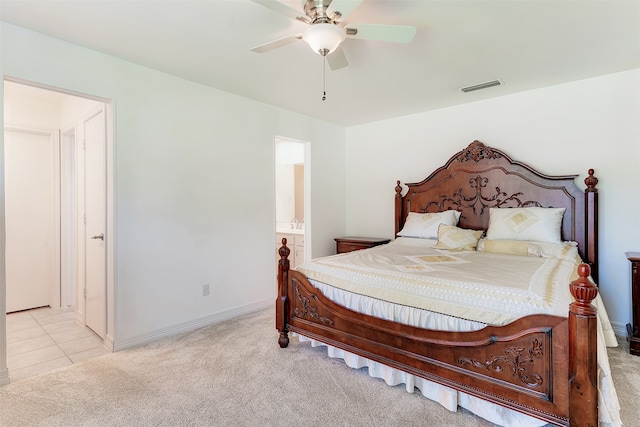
(205, 289)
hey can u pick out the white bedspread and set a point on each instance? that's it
(355, 284)
(485, 287)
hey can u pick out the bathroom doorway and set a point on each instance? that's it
(292, 197)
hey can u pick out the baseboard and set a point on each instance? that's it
(619, 329)
(191, 325)
(4, 377)
(108, 342)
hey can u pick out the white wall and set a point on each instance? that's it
(194, 196)
(564, 129)
(30, 111)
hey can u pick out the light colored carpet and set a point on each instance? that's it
(235, 374)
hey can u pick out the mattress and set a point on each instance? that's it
(528, 285)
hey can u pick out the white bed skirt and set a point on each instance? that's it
(608, 406)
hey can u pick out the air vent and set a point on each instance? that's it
(482, 86)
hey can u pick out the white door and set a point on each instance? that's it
(95, 223)
(32, 266)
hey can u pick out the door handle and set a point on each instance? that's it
(100, 236)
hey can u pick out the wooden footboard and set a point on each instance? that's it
(541, 365)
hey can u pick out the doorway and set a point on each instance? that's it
(292, 174)
(79, 121)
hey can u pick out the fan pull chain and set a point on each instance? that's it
(324, 78)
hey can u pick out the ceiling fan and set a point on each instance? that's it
(328, 28)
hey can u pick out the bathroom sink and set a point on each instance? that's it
(289, 230)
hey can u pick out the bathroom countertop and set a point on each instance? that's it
(287, 230)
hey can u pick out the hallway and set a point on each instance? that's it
(45, 339)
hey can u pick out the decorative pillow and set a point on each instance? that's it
(510, 247)
(458, 239)
(536, 224)
(426, 225)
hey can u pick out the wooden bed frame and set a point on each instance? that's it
(544, 366)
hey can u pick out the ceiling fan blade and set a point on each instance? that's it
(276, 43)
(276, 6)
(345, 7)
(337, 59)
(386, 33)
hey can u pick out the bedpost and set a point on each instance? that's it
(281, 301)
(583, 363)
(399, 216)
(591, 223)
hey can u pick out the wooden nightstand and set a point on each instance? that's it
(633, 329)
(351, 243)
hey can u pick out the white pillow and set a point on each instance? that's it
(534, 224)
(425, 225)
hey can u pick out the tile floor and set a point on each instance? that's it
(44, 339)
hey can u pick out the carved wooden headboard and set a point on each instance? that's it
(480, 177)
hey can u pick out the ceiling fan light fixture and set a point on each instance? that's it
(324, 38)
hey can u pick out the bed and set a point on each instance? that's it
(536, 363)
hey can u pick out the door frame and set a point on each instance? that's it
(68, 215)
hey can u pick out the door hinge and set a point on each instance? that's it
(85, 293)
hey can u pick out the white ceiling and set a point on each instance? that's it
(526, 44)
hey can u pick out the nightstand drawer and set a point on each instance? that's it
(342, 247)
(350, 244)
